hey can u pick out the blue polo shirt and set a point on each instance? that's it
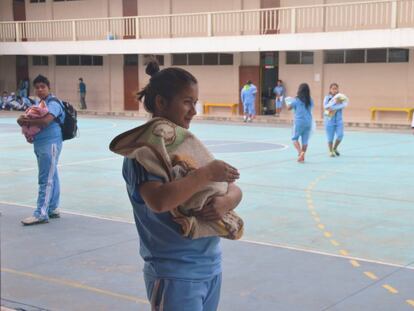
(53, 132)
(166, 253)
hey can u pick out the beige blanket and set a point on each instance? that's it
(169, 151)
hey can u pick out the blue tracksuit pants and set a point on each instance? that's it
(47, 155)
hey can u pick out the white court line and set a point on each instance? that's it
(116, 219)
(59, 165)
(270, 141)
(113, 125)
(242, 142)
(304, 250)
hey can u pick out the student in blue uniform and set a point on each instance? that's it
(179, 273)
(279, 92)
(302, 105)
(47, 147)
(248, 98)
(82, 93)
(334, 125)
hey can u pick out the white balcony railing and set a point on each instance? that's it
(381, 14)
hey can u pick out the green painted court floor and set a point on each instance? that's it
(358, 207)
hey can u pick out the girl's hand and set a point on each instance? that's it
(215, 208)
(218, 170)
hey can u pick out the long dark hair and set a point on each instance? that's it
(304, 94)
(333, 84)
(166, 83)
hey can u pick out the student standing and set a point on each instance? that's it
(179, 273)
(47, 147)
(82, 93)
(302, 105)
(248, 98)
(279, 92)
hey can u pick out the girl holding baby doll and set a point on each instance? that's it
(181, 272)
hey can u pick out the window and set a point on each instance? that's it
(301, 57)
(37, 1)
(73, 60)
(149, 57)
(377, 56)
(398, 55)
(97, 60)
(292, 58)
(269, 59)
(61, 60)
(40, 60)
(130, 60)
(195, 59)
(179, 59)
(354, 56)
(335, 57)
(211, 59)
(306, 58)
(198, 59)
(86, 60)
(79, 60)
(226, 59)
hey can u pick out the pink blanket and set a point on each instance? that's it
(35, 112)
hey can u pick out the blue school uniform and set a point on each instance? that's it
(279, 91)
(180, 273)
(248, 98)
(333, 125)
(47, 146)
(303, 121)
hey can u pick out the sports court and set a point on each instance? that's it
(330, 234)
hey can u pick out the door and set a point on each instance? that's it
(269, 20)
(130, 82)
(22, 69)
(250, 73)
(19, 10)
(269, 75)
(19, 14)
(129, 8)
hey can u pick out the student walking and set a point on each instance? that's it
(333, 104)
(302, 105)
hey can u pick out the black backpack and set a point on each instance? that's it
(70, 124)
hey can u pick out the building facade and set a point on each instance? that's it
(366, 47)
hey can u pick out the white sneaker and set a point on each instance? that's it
(33, 221)
(245, 119)
(249, 120)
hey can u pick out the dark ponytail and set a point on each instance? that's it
(304, 94)
(166, 83)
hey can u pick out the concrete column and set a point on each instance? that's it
(318, 83)
(410, 79)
